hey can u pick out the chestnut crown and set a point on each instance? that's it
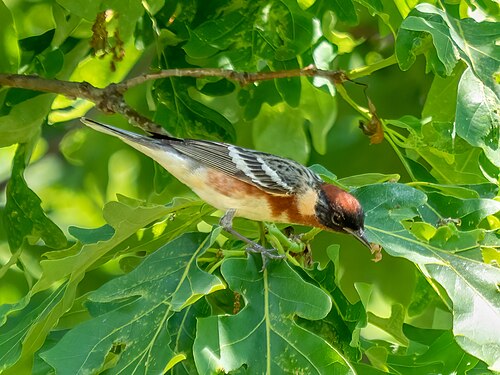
(340, 211)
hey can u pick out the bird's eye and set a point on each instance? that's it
(336, 218)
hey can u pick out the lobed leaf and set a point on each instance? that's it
(263, 336)
(23, 216)
(478, 117)
(470, 284)
(72, 265)
(186, 117)
(473, 42)
(131, 313)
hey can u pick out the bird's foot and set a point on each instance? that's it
(253, 247)
(265, 253)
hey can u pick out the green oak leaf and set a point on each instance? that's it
(412, 34)
(27, 329)
(472, 41)
(23, 216)
(448, 162)
(344, 10)
(441, 101)
(142, 301)
(478, 116)
(272, 123)
(237, 31)
(470, 211)
(436, 355)
(182, 328)
(471, 285)
(127, 13)
(186, 117)
(263, 336)
(9, 49)
(368, 179)
(319, 109)
(72, 265)
(23, 121)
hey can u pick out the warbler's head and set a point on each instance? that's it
(340, 211)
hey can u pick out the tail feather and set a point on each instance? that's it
(145, 144)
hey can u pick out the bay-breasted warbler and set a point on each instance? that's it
(249, 184)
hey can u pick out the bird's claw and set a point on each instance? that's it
(266, 254)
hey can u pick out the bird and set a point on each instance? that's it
(251, 184)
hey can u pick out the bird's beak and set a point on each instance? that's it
(360, 236)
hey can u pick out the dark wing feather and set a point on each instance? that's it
(268, 172)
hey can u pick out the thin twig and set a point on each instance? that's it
(243, 78)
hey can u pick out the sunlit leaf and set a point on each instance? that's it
(478, 117)
(446, 56)
(23, 121)
(449, 162)
(9, 50)
(125, 220)
(471, 284)
(141, 301)
(265, 327)
(472, 41)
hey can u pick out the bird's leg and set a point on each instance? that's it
(226, 222)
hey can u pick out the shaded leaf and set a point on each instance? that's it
(186, 117)
(441, 101)
(182, 328)
(439, 354)
(320, 110)
(23, 216)
(470, 211)
(29, 321)
(30, 335)
(281, 122)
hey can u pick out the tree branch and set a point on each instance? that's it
(110, 98)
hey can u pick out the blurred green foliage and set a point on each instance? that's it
(107, 263)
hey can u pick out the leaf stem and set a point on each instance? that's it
(309, 236)
(215, 266)
(278, 239)
(362, 110)
(388, 136)
(369, 69)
